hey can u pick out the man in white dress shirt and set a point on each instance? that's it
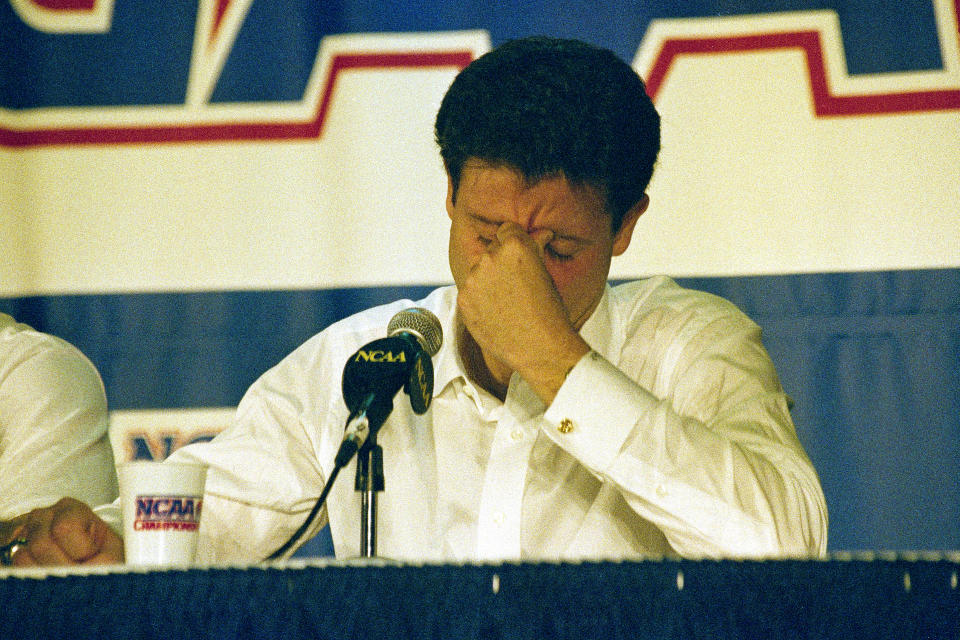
(53, 423)
(570, 419)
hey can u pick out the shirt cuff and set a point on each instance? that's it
(111, 514)
(595, 411)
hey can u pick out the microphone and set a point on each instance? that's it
(371, 378)
(375, 373)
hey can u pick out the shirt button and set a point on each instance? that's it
(498, 518)
(661, 490)
(566, 426)
(516, 435)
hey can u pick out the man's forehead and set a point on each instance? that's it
(494, 195)
(560, 231)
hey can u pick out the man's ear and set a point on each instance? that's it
(621, 240)
(449, 196)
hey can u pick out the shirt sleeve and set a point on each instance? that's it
(264, 472)
(262, 476)
(707, 453)
(53, 431)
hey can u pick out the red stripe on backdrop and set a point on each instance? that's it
(824, 101)
(383, 61)
(66, 5)
(236, 131)
(219, 12)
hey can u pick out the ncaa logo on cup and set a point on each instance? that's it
(177, 513)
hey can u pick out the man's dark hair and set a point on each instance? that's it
(548, 107)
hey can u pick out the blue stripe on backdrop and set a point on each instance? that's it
(182, 350)
(871, 360)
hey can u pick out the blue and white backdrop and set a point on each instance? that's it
(188, 190)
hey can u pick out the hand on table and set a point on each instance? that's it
(67, 533)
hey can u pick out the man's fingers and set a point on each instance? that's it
(509, 229)
(78, 532)
(538, 238)
(107, 544)
(111, 551)
(13, 529)
(23, 558)
(41, 548)
(542, 237)
(66, 533)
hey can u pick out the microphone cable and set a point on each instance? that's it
(341, 461)
(417, 325)
(310, 517)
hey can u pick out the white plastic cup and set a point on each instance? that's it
(161, 504)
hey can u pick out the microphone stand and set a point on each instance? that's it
(371, 378)
(369, 481)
